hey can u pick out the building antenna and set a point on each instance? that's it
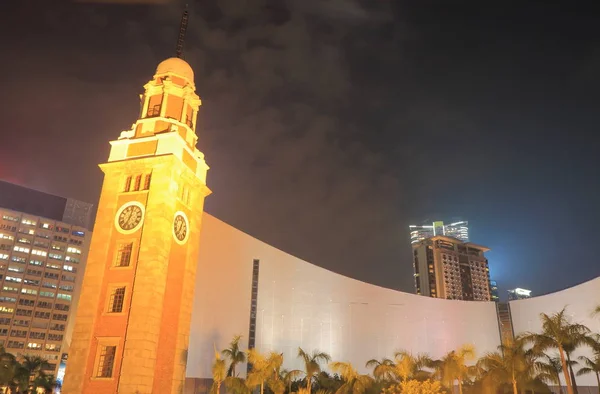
(182, 31)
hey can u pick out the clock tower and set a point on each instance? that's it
(133, 319)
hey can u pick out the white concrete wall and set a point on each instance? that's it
(300, 304)
(580, 302)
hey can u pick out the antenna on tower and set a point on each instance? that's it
(182, 30)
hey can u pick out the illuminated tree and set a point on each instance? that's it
(382, 370)
(312, 365)
(591, 365)
(559, 333)
(219, 373)
(549, 370)
(415, 387)
(511, 364)
(453, 367)
(234, 354)
(354, 383)
(408, 366)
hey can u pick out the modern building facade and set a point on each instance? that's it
(42, 260)
(518, 294)
(132, 328)
(448, 268)
(495, 294)
(298, 304)
(458, 230)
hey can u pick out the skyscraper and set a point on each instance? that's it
(459, 230)
(132, 327)
(44, 241)
(446, 267)
(518, 294)
(494, 291)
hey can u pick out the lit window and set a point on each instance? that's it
(4, 309)
(124, 254)
(71, 249)
(28, 291)
(117, 297)
(63, 296)
(39, 252)
(6, 236)
(34, 345)
(48, 294)
(21, 249)
(28, 222)
(106, 361)
(3, 257)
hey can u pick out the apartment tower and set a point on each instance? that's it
(44, 240)
(446, 267)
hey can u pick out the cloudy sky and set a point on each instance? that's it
(331, 125)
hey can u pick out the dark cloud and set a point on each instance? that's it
(331, 125)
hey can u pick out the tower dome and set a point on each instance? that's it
(176, 66)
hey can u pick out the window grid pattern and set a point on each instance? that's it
(106, 361)
(117, 298)
(124, 254)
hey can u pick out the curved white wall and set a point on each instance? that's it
(300, 304)
(580, 302)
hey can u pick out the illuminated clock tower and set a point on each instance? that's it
(133, 320)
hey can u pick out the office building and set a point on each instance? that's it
(458, 230)
(448, 268)
(42, 259)
(494, 291)
(518, 294)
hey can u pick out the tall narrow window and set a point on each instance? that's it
(117, 298)
(106, 361)
(138, 182)
(127, 186)
(147, 181)
(124, 254)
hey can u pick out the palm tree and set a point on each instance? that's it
(8, 365)
(382, 370)
(34, 365)
(559, 333)
(289, 376)
(408, 366)
(311, 365)
(592, 365)
(453, 367)
(511, 364)
(265, 370)
(354, 383)
(45, 382)
(234, 354)
(549, 371)
(219, 373)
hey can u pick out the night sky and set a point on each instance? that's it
(331, 125)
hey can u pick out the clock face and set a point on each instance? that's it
(180, 227)
(129, 217)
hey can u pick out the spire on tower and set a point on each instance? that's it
(182, 31)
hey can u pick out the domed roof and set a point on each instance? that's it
(176, 66)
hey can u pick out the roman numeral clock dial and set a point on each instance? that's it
(181, 227)
(129, 217)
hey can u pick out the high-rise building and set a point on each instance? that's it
(446, 267)
(518, 294)
(132, 327)
(44, 241)
(458, 230)
(494, 291)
